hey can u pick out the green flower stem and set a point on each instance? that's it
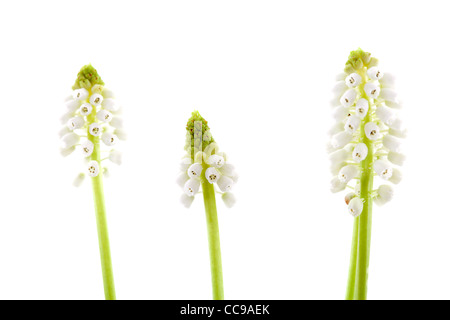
(212, 224)
(359, 269)
(100, 212)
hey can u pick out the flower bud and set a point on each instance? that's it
(374, 73)
(353, 80)
(191, 187)
(392, 143)
(78, 180)
(70, 139)
(110, 105)
(383, 169)
(360, 152)
(372, 90)
(186, 200)
(228, 199)
(216, 161)
(80, 94)
(372, 131)
(396, 158)
(195, 170)
(352, 124)
(104, 116)
(115, 156)
(75, 123)
(347, 173)
(95, 129)
(212, 175)
(337, 185)
(388, 94)
(348, 197)
(340, 139)
(385, 194)
(396, 176)
(355, 207)
(385, 114)
(109, 139)
(225, 183)
(348, 98)
(362, 106)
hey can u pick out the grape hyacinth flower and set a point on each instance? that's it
(365, 143)
(93, 127)
(204, 166)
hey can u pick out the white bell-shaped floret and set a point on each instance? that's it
(339, 88)
(388, 80)
(109, 138)
(341, 139)
(225, 183)
(360, 152)
(182, 178)
(185, 164)
(212, 175)
(121, 134)
(75, 123)
(385, 114)
(227, 169)
(95, 129)
(372, 131)
(392, 143)
(195, 170)
(110, 105)
(353, 80)
(348, 98)
(72, 105)
(348, 173)
(87, 147)
(394, 104)
(372, 90)
(341, 113)
(78, 181)
(396, 176)
(216, 161)
(388, 94)
(85, 109)
(67, 151)
(191, 187)
(80, 94)
(116, 122)
(337, 185)
(339, 156)
(104, 116)
(115, 156)
(186, 200)
(337, 127)
(107, 93)
(383, 168)
(228, 199)
(93, 168)
(64, 130)
(70, 139)
(396, 124)
(348, 197)
(66, 117)
(355, 207)
(352, 124)
(374, 73)
(336, 167)
(385, 193)
(362, 106)
(96, 99)
(396, 158)
(398, 133)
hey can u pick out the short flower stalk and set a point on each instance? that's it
(364, 144)
(90, 111)
(204, 166)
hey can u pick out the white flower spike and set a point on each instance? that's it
(366, 151)
(85, 109)
(204, 168)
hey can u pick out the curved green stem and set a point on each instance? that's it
(353, 258)
(212, 224)
(100, 213)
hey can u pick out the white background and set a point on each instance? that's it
(261, 73)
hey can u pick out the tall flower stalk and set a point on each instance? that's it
(93, 127)
(204, 166)
(364, 144)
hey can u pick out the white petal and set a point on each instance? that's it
(348, 197)
(104, 116)
(66, 117)
(121, 134)
(64, 130)
(115, 156)
(385, 114)
(191, 187)
(348, 98)
(393, 104)
(352, 124)
(109, 139)
(374, 73)
(225, 183)
(339, 88)
(78, 180)
(212, 175)
(348, 173)
(229, 199)
(341, 114)
(337, 127)
(396, 158)
(385, 194)
(388, 80)
(80, 94)
(67, 151)
(383, 168)
(340, 139)
(85, 109)
(372, 90)
(110, 105)
(72, 105)
(227, 169)
(362, 106)
(398, 133)
(195, 170)
(116, 122)
(75, 123)
(182, 178)
(186, 200)
(95, 129)
(388, 94)
(360, 152)
(339, 156)
(355, 207)
(392, 143)
(216, 161)
(372, 131)
(185, 164)
(396, 176)
(353, 80)
(337, 185)
(93, 168)
(96, 99)
(397, 124)
(87, 147)
(70, 139)
(107, 93)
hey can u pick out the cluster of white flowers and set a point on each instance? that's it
(365, 103)
(211, 165)
(91, 114)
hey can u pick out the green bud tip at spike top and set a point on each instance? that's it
(362, 146)
(87, 78)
